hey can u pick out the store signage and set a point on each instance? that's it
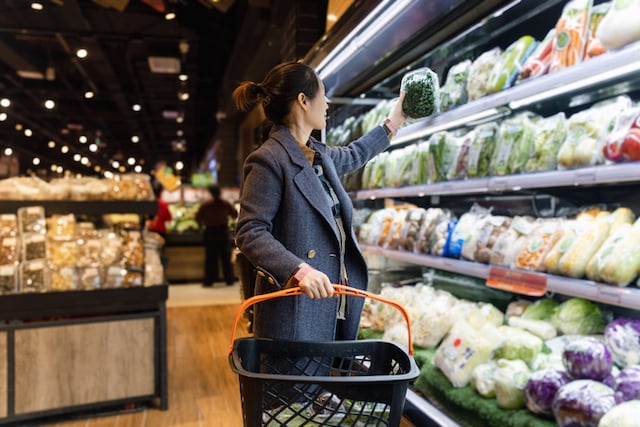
(515, 281)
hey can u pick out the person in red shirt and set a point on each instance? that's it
(163, 215)
(214, 214)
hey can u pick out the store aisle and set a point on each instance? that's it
(203, 391)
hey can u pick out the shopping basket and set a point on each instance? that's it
(338, 383)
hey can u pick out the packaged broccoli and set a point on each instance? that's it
(422, 89)
(481, 149)
(454, 90)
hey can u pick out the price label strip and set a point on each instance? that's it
(515, 281)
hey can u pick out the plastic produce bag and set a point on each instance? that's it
(622, 266)
(504, 73)
(571, 35)
(548, 137)
(482, 379)
(537, 64)
(538, 244)
(468, 223)
(433, 217)
(422, 89)
(514, 146)
(509, 243)
(481, 149)
(518, 344)
(419, 171)
(510, 379)
(443, 147)
(479, 73)
(620, 25)
(458, 168)
(454, 90)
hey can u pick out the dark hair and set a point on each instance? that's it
(278, 90)
(214, 190)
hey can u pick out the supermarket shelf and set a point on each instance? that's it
(89, 207)
(418, 406)
(592, 75)
(619, 296)
(593, 175)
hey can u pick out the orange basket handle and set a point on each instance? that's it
(339, 290)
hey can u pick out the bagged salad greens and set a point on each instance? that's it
(443, 148)
(458, 168)
(422, 89)
(481, 149)
(514, 145)
(550, 133)
(454, 90)
(419, 171)
(505, 71)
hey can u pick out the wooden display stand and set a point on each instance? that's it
(76, 351)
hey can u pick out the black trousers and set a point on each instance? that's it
(217, 241)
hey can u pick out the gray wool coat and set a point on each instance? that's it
(285, 219)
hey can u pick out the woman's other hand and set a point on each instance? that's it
(316, 284)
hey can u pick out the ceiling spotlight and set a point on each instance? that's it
(135, 139)
(96, 168)
(82, 139)
(131, 161)
(183, 96)
(183, 77)
(136, 107)
(169, 16)
(18, 127)
(35, 161)
(179, 165)
(59, 169)
(93, 148)
(51, 144)
(76, 157)
(64, 149)
(37, 5)
(49, 104)
(137, 169)
(89, 94)
(5, 102)
(122, 169)
(115, 164)
(82, 53)
(3, 117)
(84, 160)
(8, 151)
(28, 133)
(180, 132)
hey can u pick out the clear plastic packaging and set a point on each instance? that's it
(422, 89)
(89, 278)
(34, 276)
(9, 250)
(33, 246)
(62, 253)
(31, 219)
(63, 279)
(8, 225)
(61, 227)
(8, 276)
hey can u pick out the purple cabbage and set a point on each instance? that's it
(542, 388)
(627, 384)
(587, 358)
(582, 403)
(622, 336)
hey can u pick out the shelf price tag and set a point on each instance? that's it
(609, 294)
(515, 281)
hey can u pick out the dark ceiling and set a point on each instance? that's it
(135, 56)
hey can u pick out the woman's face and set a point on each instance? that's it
(318, 109)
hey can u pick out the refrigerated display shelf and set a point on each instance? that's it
(627, 297)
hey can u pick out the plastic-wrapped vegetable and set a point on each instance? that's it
(622, 415)
(622, 266)
(550, 133)
(468, 223)
(620, 26)
(419, 171)
(538, 62)
(504, 73)
(541, 389)
(510, 379)
(482, 379)
(443, 147)
(481, 149)
(627, 384)
(582, 403)
(622, 336)
(510, 243)
(479, 73)
(514, 145)
(538, 244)
(577, 316)
(454, 90)
(518, 344)
(587, 358)
(422, 89)
(571, 34)
(541, 309)
(540, 328)
(458, 169)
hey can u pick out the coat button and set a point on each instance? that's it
(311, 253)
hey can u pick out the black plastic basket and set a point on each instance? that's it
(338, 383)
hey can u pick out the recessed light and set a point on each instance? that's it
(82, 53)
(37, 5)
(51, 144)
(170, 16)
(35, 161)
(183, 77)
(49, 104)
(135, 139)
(28, 133)
(5, 102)
(8, 151)
(89, 94)
(136, 107)
(3, 117)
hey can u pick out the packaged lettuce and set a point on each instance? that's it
(458, 169)
(550, 133)
(454, 90)
(514, 145)
(505, 71)
(422, 89)
(419, 171)
(443, 147)
(481, 149)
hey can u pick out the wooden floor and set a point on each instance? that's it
(203, 390)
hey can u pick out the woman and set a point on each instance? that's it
(295, 221)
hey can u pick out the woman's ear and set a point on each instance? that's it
(302, 99)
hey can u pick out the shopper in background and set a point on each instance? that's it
(295, 222)
(214, 215)
(163, 215)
